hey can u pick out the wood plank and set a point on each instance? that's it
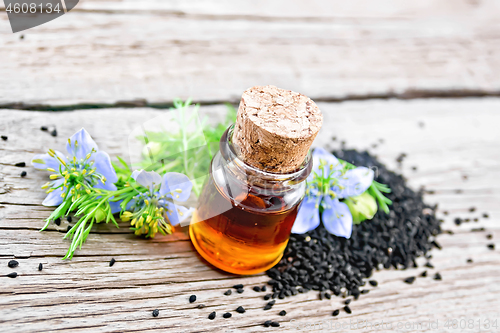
(87, 294)
(109, 51)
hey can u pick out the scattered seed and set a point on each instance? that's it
(347, 301)
(335, 312)
(192, 298)
(365, 291)
(469, 261)
(423, 274)
(263, 288)
(227, 315)
(328, 296)
(211, 316)
(458, 221)
(275, 324)
(156, 312)
(428, 264)
(438, 277)
(201, 306)
(256, 288)
(23, 174)
(489, 236)
(459, 191)
(491, 246)
(12, 275)
(40, 266)
(69, 219)
(240, 309)
(410, 280)
(57, 221)
(20, 164)
(54, 132)
(373, 283)
(485, 215)
(112, 262)
(472, 209)
(414, 168)
(267, 323)
(467, 220)
(5, 138)
(267, 307)
(477, 229)
(347, 309)
(436, 244)
(13, 263)
(240, 291)
(44, 128)
(445, 212)
(68, 228)
(238, 286)
(228, 292)
(267, 297)
(282, 313)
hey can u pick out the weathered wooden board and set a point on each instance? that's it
(445, 139)
(109, 51)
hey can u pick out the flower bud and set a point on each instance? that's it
(99, 215)
(362, 207)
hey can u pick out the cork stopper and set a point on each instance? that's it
(275, 128)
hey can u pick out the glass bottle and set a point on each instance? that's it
(245, 215)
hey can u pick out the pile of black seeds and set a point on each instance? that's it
(321, 261)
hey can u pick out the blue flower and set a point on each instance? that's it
(329, 182)
(148, 208)
(83, 169)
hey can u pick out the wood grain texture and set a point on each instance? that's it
(445, 139)
(109, 51)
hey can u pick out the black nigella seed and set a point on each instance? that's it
(156, 312)
(240, 309)
(485, 215)
(24, 174)
(192, 298)
(227, 315)
(436, 244)
(238, 286)
(458, 221)
(271, 303)
(268, 307)
(211, 316)
(428, 264)
(5, 138)
(410, 280)
(282, 313)
(44, 128)
(472, 209)
(40, 266)
(12, 275)
(477, 229)
(228, 292)
(54, 132)
(112, 262)
(201, 306)
(335, 312)
(424, 274)
(438, 277)
(347, 301)
(20, 164)
(68, 228)
(491, 246)
(470, 261)
(275, 324)
(263, 288)
(57, 221)
(445, 212)
(267, 297)
(365, 291)
(489, 236)
(267, 323)
(467, 220)
(13, 263)
(347, 309)
(256, 288)
(476, 219)
(240, 291)
(373, 283)
(69, 219)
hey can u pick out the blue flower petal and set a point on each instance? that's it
(54, 198)
(177, 213)
(44, 161)
(332, 163)
(308, 216)
(102, 164)
(337, 218)
(81, 143)
(106, 186)
(115, 206)
(177, 184)
(148, 179)
(354, 182)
